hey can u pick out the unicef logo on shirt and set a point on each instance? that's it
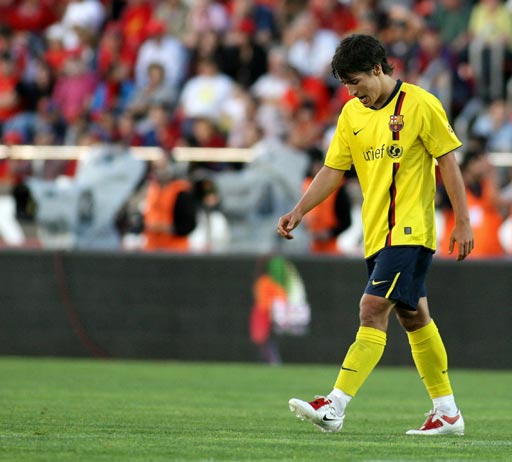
(395, 151)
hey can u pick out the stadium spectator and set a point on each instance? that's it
(55, 53)
(204, 94)
(205, 46)
(260, 15)
(495, 125)
(305, 90)
(81, 22)
(127, 130)
(113, 50)
(243, 59)
(205, 133)
(74, 89)
(490, 30)
(9, 80)
(271, 85)
(159, 127)
(432, 67)
(239, 113)
(161, 48)
(133, 22)
(490, 22)
(114, 92)
(334, 15)
(174, 14)
(207, 15)
(310, 47)
(400, 33)
(29, 15)
(157, 90)
(31, 94)
(451, 18)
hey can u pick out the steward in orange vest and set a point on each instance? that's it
(330, 218)
(483, 199)
(170, 210)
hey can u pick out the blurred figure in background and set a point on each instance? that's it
(162, 48)
(494, 124)
(333, 216)
(174, 14)
(490, 50)
(212, 233)
(169, 210)
(486, 207)
(204, 94)
(74, 89)
(280, 306)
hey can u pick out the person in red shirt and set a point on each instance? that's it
(9, 79)
(30, 15)
(334, 15)
(133, 21)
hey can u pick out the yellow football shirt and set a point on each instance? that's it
(393, 150)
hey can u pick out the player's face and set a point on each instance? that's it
(368, 87)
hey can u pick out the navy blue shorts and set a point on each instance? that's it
(399, 274)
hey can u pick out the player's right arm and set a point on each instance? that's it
(324, 183)
(462, 234)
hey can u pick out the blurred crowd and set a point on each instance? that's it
(245, 74)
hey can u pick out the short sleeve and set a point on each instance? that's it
(338, 155)
(436, 132)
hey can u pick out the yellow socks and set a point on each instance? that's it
(431, 360)
(361, 358)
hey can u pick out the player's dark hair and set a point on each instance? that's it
(359, 53)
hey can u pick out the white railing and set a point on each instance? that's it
(181, 154)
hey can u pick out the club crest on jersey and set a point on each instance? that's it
(396, 122)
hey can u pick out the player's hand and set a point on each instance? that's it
(463, 236)
(287, 223)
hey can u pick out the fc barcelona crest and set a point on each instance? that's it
(396, 123)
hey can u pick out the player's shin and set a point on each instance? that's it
(361, 358)
(431, 360)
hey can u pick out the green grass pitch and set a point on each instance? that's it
(104, 410)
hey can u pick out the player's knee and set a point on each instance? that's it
(374, 311)
(411, 320)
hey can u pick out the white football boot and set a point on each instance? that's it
(439, 424)
(320, 412)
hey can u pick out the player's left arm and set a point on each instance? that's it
(462, 233)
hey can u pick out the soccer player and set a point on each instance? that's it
(392, 132)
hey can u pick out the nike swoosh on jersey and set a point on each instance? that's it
(377, 283)
(355, 132)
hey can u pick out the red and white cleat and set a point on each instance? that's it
(320, 412)
(439, 424)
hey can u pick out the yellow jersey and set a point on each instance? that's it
(393, 150)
